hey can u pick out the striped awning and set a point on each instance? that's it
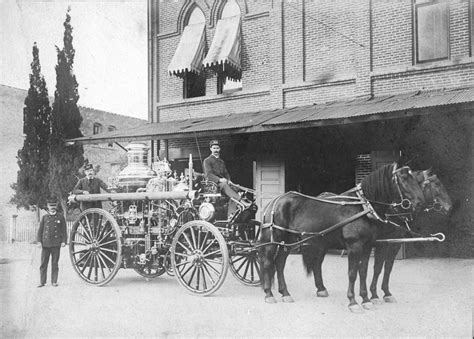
(190, 51)
(225, 50)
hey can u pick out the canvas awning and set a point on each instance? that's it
(224, 53)
(190, 51)
(335, 113)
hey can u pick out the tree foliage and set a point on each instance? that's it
(66, 119)
(31, 187)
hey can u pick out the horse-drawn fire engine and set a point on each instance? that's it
(158, 222)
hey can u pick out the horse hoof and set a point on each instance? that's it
(356, 308)
(368, 305)
(376, 301)
(322, 294)
(390, 299)
(288, 299)
(270, 300)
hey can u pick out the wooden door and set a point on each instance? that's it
(269, 179)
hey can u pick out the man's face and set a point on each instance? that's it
(89, 173)
(52, 208)
(215, 150)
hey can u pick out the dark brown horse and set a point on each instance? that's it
(436, 199)
(321, 223)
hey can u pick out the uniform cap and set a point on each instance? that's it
(52, 202)
(214, 143)
(88, 167)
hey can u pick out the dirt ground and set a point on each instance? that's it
(435, 299)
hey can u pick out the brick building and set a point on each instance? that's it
(311, 95)
(110, 157)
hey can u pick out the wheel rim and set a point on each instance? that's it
(246, 268)
(95, 246)
(199, 257)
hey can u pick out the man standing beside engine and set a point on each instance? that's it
(52, 235)
(89, 185)
(216, 171)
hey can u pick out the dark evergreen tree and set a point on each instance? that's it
(31, 187)
(65, 160)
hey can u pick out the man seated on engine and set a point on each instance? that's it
(216, 171)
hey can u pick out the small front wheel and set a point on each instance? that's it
(199, 257)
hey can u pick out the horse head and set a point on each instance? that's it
(410, 192)
(435, 193)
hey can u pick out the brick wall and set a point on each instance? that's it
(363, 167)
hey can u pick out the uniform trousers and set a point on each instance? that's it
(231, 194)
(46, 252)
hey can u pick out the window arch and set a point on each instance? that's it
(231, 8)
(196, 16)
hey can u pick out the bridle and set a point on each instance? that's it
(436, 205)
(404, 203)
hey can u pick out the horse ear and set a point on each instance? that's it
(429, 171)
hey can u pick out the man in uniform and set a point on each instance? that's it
(89, 185)
(52, 235)
(216, 171)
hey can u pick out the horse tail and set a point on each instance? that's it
(308, 259)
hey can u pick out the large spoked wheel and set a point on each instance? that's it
(95, 246)
(244, 263)
(199, 257)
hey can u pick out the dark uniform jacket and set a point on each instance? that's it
(214, 169)
(52, 230)
(92, 186)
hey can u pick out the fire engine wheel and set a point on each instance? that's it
(244, 263)
(95, 246)
(246, 267)
(199, 257)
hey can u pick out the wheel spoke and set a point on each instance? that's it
(107, 257)
(103, 265)
(204, 241)
(184, 246)
(203, 278)
(105, 236)
(108, 250)
(192, 275)
(108, 242)
(85, 256)
(212, 253)
(187, 240)
(88, 241)
(210, 244)
(238, 258)
(86, 231)
(209, 273)
(206, 263)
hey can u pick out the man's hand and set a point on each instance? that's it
(38, 244)
(63, 244)
(223, 180)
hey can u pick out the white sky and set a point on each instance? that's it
(110, 39)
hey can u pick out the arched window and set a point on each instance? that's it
(224, 83)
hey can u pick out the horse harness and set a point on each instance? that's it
(367, 209)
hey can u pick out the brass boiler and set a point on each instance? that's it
(137, 173)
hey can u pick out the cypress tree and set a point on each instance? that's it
(31, 188)
(65, 160)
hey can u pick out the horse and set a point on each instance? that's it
(437, 199)
(323, 222)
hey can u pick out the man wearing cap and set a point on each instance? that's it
(89, 185)
(216, 171)
(52, 235)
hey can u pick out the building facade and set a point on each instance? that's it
(109, 159)
(338, 88)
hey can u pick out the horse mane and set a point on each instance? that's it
(377, 186)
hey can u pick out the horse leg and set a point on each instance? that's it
(317, 272)
(379, 258)
(280, 262)
(392, 250)
(354, 251)
(267, 264)
(363, 268)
